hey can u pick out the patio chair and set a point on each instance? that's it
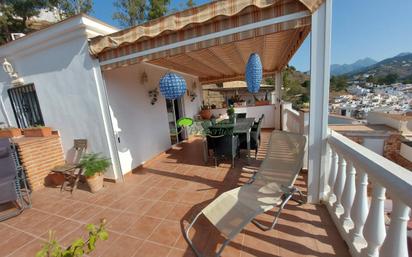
(223, 142)
(254, 137)
(271, 187)
(241, 115)
(13, 183)
(72, 170)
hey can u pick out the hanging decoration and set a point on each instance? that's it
(172, 86)
(254, 73)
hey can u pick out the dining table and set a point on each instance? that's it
(241, 126)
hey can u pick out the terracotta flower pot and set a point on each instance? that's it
(260, 103)
(55, 179)
(95, 182)
(10, 132)
(206, 114)
(38, 132)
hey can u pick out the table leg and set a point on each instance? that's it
(205, 151)
(248, 146)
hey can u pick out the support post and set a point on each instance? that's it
(278, 101)
(319, 100)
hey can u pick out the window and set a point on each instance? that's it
(26, 106)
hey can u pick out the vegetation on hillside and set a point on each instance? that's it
(15, 14)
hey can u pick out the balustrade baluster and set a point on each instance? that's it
(332, 175)
(396, 244)
(375, 231)
(359, 210)
(340, 183)
(348, 196)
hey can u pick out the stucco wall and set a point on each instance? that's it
(65, 81)
(253, 112)
(143, 128)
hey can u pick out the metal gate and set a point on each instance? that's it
(26, 106)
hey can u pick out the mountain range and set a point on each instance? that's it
(401, 65)
(339, 69)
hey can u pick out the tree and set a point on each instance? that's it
(157, 9)
(190, 4)
(67, 8)
(338, 83)
(130, 12)
(14, 15)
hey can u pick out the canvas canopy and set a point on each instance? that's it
(219, 59)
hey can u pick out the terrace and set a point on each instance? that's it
(347, 185)
(147, 213)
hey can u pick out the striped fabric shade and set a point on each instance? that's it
(172, 86)
(253, 73)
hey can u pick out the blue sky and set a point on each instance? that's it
(360, 28)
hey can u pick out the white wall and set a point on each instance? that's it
(406, 152)
(143, 128)
(253, 112)
(374, 144)
(65, 78)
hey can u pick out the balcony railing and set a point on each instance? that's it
(354, 172)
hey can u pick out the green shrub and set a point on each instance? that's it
(79, 247)
(93, 163)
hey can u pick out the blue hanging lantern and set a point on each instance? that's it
(172, 86)
(254, 73)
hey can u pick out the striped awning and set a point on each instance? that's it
(218, 59)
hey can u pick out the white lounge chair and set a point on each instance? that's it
(270, 187)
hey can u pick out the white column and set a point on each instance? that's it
(319, 99)
(278, 106)
(396, 244)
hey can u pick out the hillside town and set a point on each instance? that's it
(362, 98)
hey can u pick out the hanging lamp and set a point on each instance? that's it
(172, 86)
(254, 73)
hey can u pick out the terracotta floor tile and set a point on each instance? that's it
(149, 249)
(108, 214)
(173, 187)
(124, 246)
(154, 193)
(143, 227)
(172, 196)
(86, 214)
(166, 233)
(122, 222)
(181, 253)
(11, 244)
(140, 206)
(29, 250)
(179, 212)
(160, 209)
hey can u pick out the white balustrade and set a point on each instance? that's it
(396, 243)
(339, 185)
(359, 211)
(348, 196)
(363, 227)
(332, 175)
(374, 230)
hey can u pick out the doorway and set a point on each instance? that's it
(174, 113)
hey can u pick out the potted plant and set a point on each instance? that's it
(37, 131)
(10, 132)
(94, 166)
(231, 113)
(205, 112)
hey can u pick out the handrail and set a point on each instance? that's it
(396, 179)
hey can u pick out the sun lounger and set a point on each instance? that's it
(13, 184)
(271, 186)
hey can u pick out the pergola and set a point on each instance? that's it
(214, 41)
